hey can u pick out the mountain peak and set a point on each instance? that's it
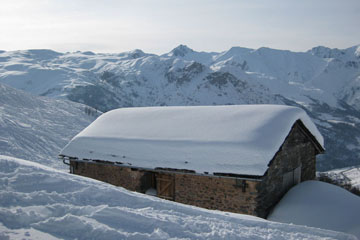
(43, 53)
(325, 52)
(345, 54)
(320, 51)
(181, 50)
(354, 50)
(357, 51)
(136, 53)
(239, 50)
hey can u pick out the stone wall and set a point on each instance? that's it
(296, 151)
(131, 179)
(211, 192)
(219, 193)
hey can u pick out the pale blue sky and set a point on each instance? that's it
(157, 26)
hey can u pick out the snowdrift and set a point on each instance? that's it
(321, 205)
(38, 202)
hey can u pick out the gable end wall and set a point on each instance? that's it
(109, 173)
(297, 150)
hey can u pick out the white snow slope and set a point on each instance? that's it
(37, 128)
(243, 137)
(38, 202)
(319, 204)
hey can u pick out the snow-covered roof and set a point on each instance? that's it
(239, 139)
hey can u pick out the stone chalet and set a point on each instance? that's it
(238, 158)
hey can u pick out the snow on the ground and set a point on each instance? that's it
(193, 138)
(353, 174)
(322, 205)
(37, 128)
(38, 202)
(350, 175)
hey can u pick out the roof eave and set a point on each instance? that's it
(319, 148)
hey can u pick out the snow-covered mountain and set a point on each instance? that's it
(325, 82)
(349, 178)
(36, 128)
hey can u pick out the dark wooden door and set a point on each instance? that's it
(165, 186)
(291, 178)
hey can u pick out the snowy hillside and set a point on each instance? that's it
(319, 204)
(37, 202)
(325, 82)
(36, 128)
(349, 177)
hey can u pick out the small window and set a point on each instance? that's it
(241, 183)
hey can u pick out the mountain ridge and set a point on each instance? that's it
(324, 82)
